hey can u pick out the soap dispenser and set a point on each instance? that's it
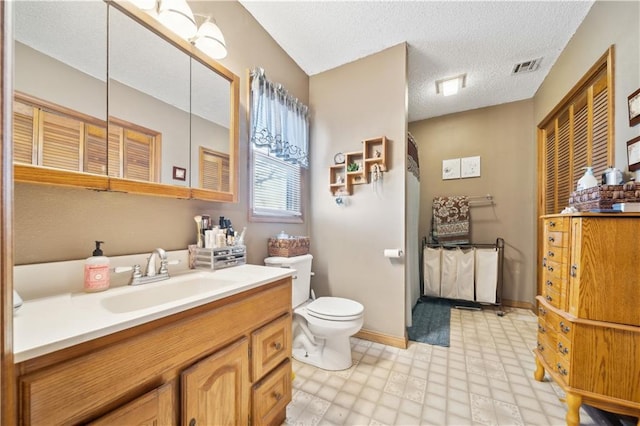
(588, 180)
(96, 271)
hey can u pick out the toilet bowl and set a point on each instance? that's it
(321, 327)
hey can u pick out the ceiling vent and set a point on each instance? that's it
(527, 66)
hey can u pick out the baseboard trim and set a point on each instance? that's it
(385, 339)
(518, 304)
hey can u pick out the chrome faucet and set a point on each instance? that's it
(151, 263)
(152, 272)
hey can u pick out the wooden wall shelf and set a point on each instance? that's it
(342, 180)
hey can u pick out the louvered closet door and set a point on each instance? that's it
(600, 158)
(576, 136)
(61, 141)
(24, 130)
(214, 170)
(95, 160)
(550, 168)
(137, 155)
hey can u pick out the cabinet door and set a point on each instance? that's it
(215, 391)
(152, 409)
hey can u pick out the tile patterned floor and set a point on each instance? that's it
(485, 377)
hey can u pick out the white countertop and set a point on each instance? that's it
(52, 323)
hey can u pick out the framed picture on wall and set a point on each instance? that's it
(451, 169)
(633, 154)
(634, 108)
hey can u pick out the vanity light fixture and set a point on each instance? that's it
(178, 17)
(210, 40)
(451, 86)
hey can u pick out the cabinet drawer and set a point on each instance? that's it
(551, 295)
(556, 239)
(270, 345)
(563, 347)
(557, 254)
(546, 342)
(561, 367)
(557, 224)
(554, 269)
(271, 396)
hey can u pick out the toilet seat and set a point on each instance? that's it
(335, 309)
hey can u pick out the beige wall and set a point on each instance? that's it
(608, 23)
(61, 223)
(360, 100)
(503, 137)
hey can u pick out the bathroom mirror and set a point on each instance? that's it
(60, 71)
(160, 92)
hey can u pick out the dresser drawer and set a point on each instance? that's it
(270, 345)
(556, 239)
(564, 348)
(546, 342)
(271, 396)
(557, 224)
(552, 296)
(561, 367)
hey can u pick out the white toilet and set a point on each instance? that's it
(321, 327)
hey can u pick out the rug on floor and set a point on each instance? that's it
(431, 321)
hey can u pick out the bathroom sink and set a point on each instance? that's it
(155, 294)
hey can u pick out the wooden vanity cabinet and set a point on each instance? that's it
(588, 316)
(191, 368)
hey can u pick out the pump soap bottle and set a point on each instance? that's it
(96, 271)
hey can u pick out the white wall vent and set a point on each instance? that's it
(526, 66)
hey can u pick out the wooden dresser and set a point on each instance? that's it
(589, 310)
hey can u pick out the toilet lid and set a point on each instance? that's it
(335, 308)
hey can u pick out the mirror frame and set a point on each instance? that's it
(41, 175)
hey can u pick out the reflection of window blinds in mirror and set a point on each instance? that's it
(214, 170)
(61, 141)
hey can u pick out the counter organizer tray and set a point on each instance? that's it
(220, 258)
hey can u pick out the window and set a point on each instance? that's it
(279, 137)
(577, 134)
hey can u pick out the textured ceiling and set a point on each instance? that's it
(483, 39)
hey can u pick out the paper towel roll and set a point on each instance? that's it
(392, 253)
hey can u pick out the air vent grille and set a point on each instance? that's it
(526, 66)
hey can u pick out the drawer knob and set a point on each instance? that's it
(192, 422)
(542, 310)
(550, 254)
(549, 298)
(551, 239)
(277, 396)
(564, 328)
(541, 329)
(550, 283)
(552, 224)
(561, 370)
(562, 348)
(574, 269)
(277, 345)
(550, 268)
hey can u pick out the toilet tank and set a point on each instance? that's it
(302, 277)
